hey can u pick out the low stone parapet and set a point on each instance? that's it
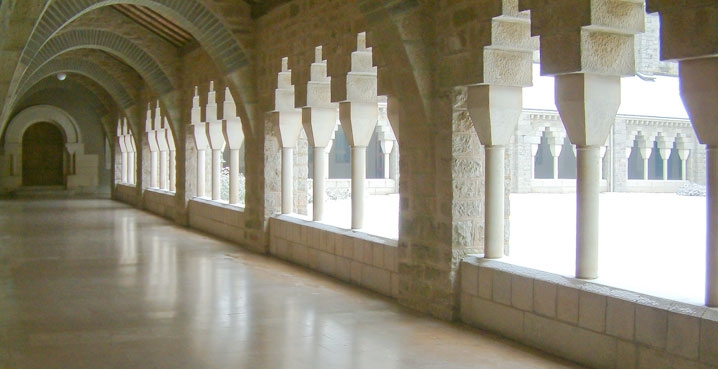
(595, 325)
(354, 257)
(160, 202)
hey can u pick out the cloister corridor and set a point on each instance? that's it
(98, 284)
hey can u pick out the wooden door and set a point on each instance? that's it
(43, 147)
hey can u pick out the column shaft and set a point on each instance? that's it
(320, 180)
(494, 229)
(387, 165)
(665, 169)
(683, 169)
(587, 190)
(124, 168)
(712, 227)
(287, 180)
(154, 178)
(358, 158)
(216, 174)
(131, 167)
(201, 174)
(173, 170)
(645, 168)
(164, 175)
(234, 176)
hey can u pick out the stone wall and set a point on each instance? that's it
(126, 193)
(160, 202)
(352, 257)
(593, 325)
(228, 222)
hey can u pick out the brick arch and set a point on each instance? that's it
(110, 42)
(218, 41)
(88, 69)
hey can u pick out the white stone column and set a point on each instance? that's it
(587, 191)
(645, 147)
(234, 136)
(121, 144)
(216, 141)
(555, 145)
(495, 111)
(131, 158)
(201, 142)
(154, 148)
(319, 118)
(358, 116)
(287, 122)
(588, 104)
(684, 151)
(172, 163)
(386, 137)
(665, 146)
(534, 152)
(588, 55)
(163, 146)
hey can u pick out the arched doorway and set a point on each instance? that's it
(43, 147)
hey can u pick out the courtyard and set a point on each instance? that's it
(653, 243)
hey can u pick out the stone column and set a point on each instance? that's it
(665, 146)
(684, 151)
(201, 142)
(131, 157)
(645, 147)
(154, 148)
(588, 54)
(358, 115)
(287, 122)
(555, 145)
(172, 157)
(495, 111)
(234, 137)
(161, 128)
(122, 144)
(319, 118)
(216, 141)
(588, 104)
(387, 139)
(494, 104)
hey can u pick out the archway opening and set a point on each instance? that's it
(43, 147)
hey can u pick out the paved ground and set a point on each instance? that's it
(95, 284)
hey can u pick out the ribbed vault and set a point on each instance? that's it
(190, 15)
(88, 69)
(112, 43)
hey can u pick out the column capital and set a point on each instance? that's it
(594, 36)
(498, 50)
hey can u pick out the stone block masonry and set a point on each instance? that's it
(594, 325)
(353, 257)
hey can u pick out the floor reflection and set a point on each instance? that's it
(95, 284)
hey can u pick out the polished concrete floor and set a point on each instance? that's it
(96, 284)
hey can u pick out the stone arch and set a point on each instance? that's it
(110, 42)
(88, 69)
(219, 42)
(73, 144)
(42, 113)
